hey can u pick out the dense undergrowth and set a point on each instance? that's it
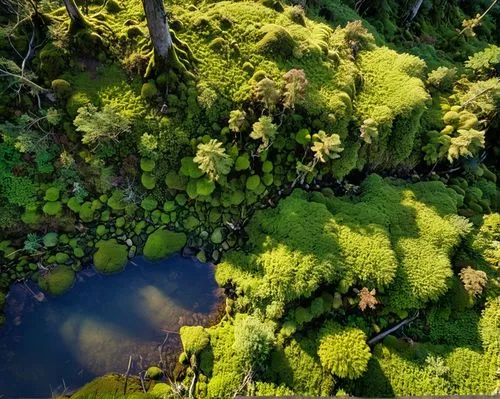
(105, 155)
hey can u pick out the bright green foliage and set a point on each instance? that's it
(163, 243)
(236, 120)
(52, 194)
(154, 373)
(326, 147)
(343, 351)
(466, 144)
(242, 163)
(57, 281)
(277, 41)
(485, 62)
(266, 91)
(394, 97)
(110, 384)
(160, 390)
(253, 340)
(213, 160)
(52, 208)
(110, 257)
(392, 236)
(100, 126)
(298, 367)
(147, 165)
(50, 240)
(149, 90)
(194, 339)
(264, 130)
(149, 204)
(442, 78)
(223, 385)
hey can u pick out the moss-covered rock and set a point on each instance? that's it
(163, 243)
(194, 339)
(154, 373)
(110, 384)
(57, 281)
(111, 257)
(61, 88)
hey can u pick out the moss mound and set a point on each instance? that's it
(110, 384)
(163, 243)
(110, 257)
(57, 281)
(277, 41)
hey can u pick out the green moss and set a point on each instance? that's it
(86, 212)
(147, 165)
(116, 201)
(343, 351)
(277, 41)
(75, 102)
(52, 194)
(204, 186)
(242, 162)
(194, 339)
(113, 7)
(57, 281)
(74, 204)
(154, 373)
(52, 208)
(50, 239)
(110, 384)
(61, 88)
(253, 182)
(62, 257)
(163, 243)
(149, 90)
(149, 204)
(110, 257)
(160, 390)
(175, 182)
(148, 181)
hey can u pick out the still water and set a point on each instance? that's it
(94, 328)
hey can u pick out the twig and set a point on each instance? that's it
(379, 337)
(127, 374)
(160, 349)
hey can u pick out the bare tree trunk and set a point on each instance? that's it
(74, 13)
(415, 9)
(158, 27)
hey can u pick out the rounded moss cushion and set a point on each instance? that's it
(160, 390)
(163, 243)
(194, 339)
(52, 208)
(57, 281)
(110, 257)
(154, 373)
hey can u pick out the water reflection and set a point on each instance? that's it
(94, 328)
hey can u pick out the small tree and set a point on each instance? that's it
(100, 126)
(213, 160)
(264, 129)
(253, 340)
(326, 147)
(295, 87)
(367, 298)
(474, 280)
(267, 92)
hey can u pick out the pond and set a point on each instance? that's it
(64, 342)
